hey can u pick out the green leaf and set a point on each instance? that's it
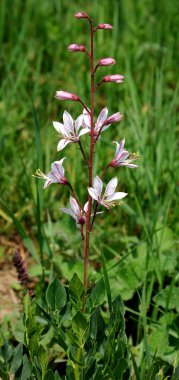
(17, 358)
(6, 351)
(57, 376)
(79, 326)
(106, 279)
(76, 289)
(26, 370)
(120, 369)
(3, 372)
(168, 297)
(49, 375)
(56, 295)
(98, 293)
(42, 356)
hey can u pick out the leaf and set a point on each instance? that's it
(98, 293)
(168, 298)
(17, 358)
(26, 370)
(57, 376)
(120, 369)
(76, 289)
(6, 352)
(42, 356)
(56, 295)
(49, 375)
(106, 279)
(3, 372)
(79, 326)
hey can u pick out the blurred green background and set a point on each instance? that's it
(34, 63)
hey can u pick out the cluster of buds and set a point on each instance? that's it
(23, 276)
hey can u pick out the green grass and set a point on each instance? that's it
(139, 240)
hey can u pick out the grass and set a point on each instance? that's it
(138, 240)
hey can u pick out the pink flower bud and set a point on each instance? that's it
(114, 118)
(106, 62)
(73, 48)
(64, 95)
(104, 26)
(113, 78)
(81, 15)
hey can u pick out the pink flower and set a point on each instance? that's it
(104, 26)
(73, 48)
(110, 197)
(102, 122)
(106, 62)
(75, 212)
(112, 78)
(69, 130)
(81, 15)
(64, 95)
(123, 157)
(56, 175)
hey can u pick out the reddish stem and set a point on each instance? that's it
(82, 151)
(90, 167)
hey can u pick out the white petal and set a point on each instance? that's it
(86, 119)
(62, 144)
(93, 193)
(78, 123)
(68, 122)
(47, 183)
(98, 185)
(120, 147)
(116, 196)
(86, 207)
(102, 117)
(111, 187)
(59, 127)
(69, 212)
(83, 131)
(57, 169)
(74, 206)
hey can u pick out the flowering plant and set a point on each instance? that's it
(71, 131)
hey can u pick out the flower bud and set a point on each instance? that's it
(104, 26)
(73, 48)
(106, 62)
(64, 95)
(114, 118)
(113, 78)
(81, 15)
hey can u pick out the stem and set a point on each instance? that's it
(82, 151)
(94, 216)
(86, 108)
(90, 167)
(75, 196)
(104, 171)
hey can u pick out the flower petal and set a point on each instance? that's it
(101, 118)
(69, 212)
(59, 127)
(68, 122)
(83, 131)
(93, 193)
(98, 185)
(111, 187)
(116, 196)
(74, 206)
(78, 123)
(62, 144)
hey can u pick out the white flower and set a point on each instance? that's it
(69, 130)
(75, 212)
(123, 157)
(110, 197)
(56, 175)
